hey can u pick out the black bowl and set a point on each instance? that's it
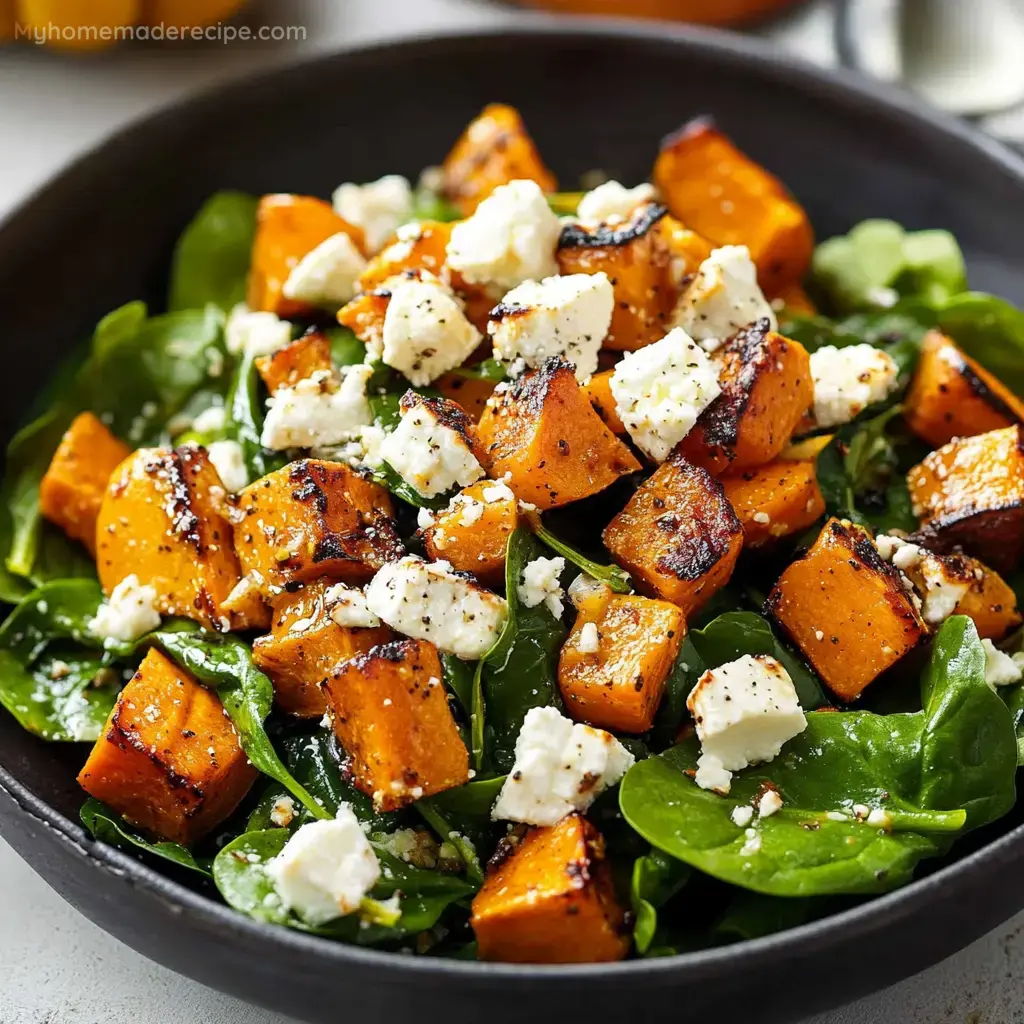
(594, 95)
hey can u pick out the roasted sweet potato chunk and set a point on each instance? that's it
(637, 260)
(970, 493)
(419, 247)
(775, 500)
(312, 519)
(494, 149)
(678, 535)
(953, 396)
(472, 393)
(687, 249)
(305, 644)
(551, 900)
(725, 196)
(71, 491)
(298, 359)
(390, 713)
(473, 532)
(620, 685)
(542, 430)
(364, 316)
(793, 299)
(598, 389)
(163, 518)
(287, 228)
(766, 389)
(169, 760)
(989, 601)
(849, 612)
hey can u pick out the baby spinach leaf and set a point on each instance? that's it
(688, 668)
(428, 205)
(750, 915)
(390, 479)
(107, 826)
(458, 677)
(486, 369)
(1014, 698)
(463, 844)
(564, 204)
(611, 575)
(990, 330)
(656, 878)
(245, 420)
(346, 348)
(211, 259)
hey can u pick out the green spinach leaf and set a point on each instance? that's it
(750, 915)
(245, 420)
(990, 330)
(346, 348)
(656, 878)
(610, 575)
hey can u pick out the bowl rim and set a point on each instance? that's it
(836, 85)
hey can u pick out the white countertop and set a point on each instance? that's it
(57, 967)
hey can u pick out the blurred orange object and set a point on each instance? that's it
(707, 12)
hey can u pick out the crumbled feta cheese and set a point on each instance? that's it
(1000, 668)
(260, 333)
(559, 316)
(879, 818)
(539, 583)
(429, 455)
(769, 804)
(325, 869)
(327, 275)
(723, 297)
(318, 411)
(428, 601)
(509, 239)
(584, 587)
(347, 607)
(424, 518)
(128, 613)
(282, 813)
(425, 332)
(612, 202)
(762, 517)
(745, 711)
(560, 767)
(211, 421)
(377, 207)
(661, 389)
(941, 590)
(498, 491)
(848, 380)
(229, 461)
(752, 844)
(742, 815)
(589, 640)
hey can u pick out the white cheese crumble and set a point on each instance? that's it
(509, 239)
(848, 380)
(589, 640)
(325, 869)
(229, 461)
(129, 612)
(560, 316)
(498, 491)
(742, 815)
(745, 711)
(211, 421)
(378, 207)
(661, 389)
(282, 813)
(425, 332)
(612, 202)
(257, 333)
(560, 767)
(941, 592)
(769, 804)
(1000, 668)
(723, 297)
(347, 606)
(539, 584)
(318, 410)
(428, 601)
(327, 275)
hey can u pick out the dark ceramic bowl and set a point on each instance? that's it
(594, 96)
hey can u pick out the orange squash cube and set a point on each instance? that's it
(364, 317)
(390, 712)
(599, 390)
(551, 901)
(793, 300)
(420, 247)
(472, 393)
(687, 249)
(71, 491)
(298, 360)
(169, 760)
(989, 601)
(775, 500)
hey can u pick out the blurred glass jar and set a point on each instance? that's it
(706, 12)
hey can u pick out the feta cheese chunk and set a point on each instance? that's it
(129, 612)
(745, 711)
(560, 767)
(318, 410)
(769, 804)
(378, 207)
(229, 461)
(941, 590)
(428, 601)
(611, 202)
(258, 334)
(325, 869)
(1000, 668)
(539, 584)
(431, 454)
(559, 316)
(509, 239)
(327, 275)
(347, 607)
(848, 380)
(723, 298)
(589, 640)
(661, 389)
(426, 332)
(210, 421)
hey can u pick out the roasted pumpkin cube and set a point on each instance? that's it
(247, 606)
(305, 644)
(678, 535)
(494, 149)
(551, 900)
(364, 316)
(421, 246)
(390, 712)
(775, 500)
(849, 612)
(599, 390)
(970, 494)
(614, 663)
(472, 532)
(169, 760)
(951, 395)
(638, 262)
(544, 433)
(310, 519)
(687, 249)
(730, 199)
(472, 393)
(766, 389)
(71, 491)
(989, 600)
(298, 360)
(163, 518)
(793, 300)
(287, 228)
